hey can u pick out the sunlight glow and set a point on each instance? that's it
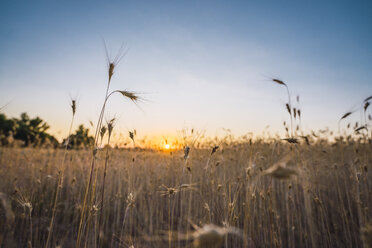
(166, 146)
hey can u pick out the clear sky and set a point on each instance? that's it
(201, 64)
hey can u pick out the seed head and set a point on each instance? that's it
(110, 126)
(367, 99)
(214, 149)
(366, 106)
(186, 152)
(103, 131)
(73, 106)
(174, 190)
(346, 115)
(288, 108)
(291, 140)
(360, 128)
(111, 70)
(131, 198)
(113, 62)
(168, 191)
(306, 139)
(131, 95)
(279, 81)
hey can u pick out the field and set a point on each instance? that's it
(185, 124)
(261, 193)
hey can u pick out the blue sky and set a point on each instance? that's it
(202, 64)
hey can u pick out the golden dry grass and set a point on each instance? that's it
(325, 201)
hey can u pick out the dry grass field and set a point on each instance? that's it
(185, 124)
(244, 194)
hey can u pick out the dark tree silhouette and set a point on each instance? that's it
(32, 131)
(7, 129)
(80, 139)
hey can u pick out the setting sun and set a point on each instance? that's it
(166, 146)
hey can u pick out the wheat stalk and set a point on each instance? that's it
(128, 94)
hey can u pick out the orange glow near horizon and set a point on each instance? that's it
(170, 143)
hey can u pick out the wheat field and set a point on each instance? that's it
(246, 193)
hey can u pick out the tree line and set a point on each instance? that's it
(33, 132)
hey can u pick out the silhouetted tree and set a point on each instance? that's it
(30, 131)
(33, 131)
(7, 129)
(80, 139)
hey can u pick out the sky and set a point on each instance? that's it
(198, 64)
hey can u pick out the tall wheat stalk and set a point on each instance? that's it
(288, 105)
(128, 94)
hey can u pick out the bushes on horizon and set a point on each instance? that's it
(29, 131)
(80, 139)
